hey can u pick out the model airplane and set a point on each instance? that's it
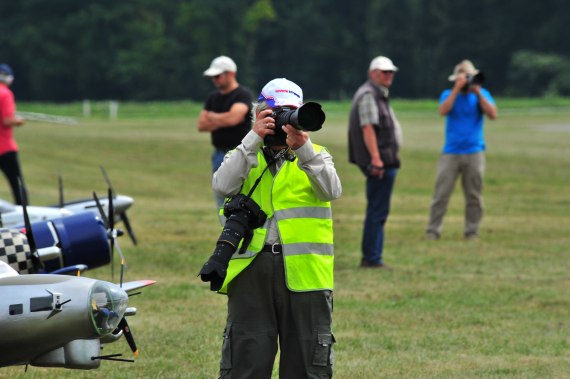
(58, 320)
(62, 245)
(12, 215)
(62, 321)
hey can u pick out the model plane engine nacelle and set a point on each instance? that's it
(79, 239)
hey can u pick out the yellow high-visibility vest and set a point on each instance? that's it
(304, 223)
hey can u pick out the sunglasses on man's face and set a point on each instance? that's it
(387, 72)
(216, 77)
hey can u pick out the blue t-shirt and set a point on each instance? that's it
(464, 123)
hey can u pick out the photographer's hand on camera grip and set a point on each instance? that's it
(295, 138)
(264, 124)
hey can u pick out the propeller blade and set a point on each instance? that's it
(130, 230)
(109, 232)
(111, 209)
(108, 181)
(123, 216)
(101, 210)
(124, 326)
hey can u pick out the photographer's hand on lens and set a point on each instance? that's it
(264, 124)
(295, 138)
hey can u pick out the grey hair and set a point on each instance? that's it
(256, 108)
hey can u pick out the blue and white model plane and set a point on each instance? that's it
(12, 215)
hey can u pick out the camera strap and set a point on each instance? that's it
(271, 160)
(248, 234)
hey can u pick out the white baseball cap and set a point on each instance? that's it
(219, 65)
(281, 92)
(382, 63)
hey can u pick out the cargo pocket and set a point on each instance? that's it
(226, 361)
(323, 353)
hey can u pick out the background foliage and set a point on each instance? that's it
(63, 50)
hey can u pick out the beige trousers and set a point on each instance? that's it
(471, 168)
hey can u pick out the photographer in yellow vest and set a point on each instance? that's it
(279, 283)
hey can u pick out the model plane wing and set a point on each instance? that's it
(137, 284)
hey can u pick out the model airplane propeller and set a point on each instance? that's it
(112, 233)
(120, 202)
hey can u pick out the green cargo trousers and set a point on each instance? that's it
(263, 313)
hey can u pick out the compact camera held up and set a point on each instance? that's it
(477, 79)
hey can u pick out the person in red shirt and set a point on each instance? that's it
(8, 147)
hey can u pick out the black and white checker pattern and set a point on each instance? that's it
(15, 250)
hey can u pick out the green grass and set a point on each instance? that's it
(494, 308)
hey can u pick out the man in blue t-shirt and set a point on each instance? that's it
(463, 153)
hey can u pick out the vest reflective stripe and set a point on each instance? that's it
(297, 230)
(308, 248)
(312, 212)
(304, 223)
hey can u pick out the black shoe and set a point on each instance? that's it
(472, 236)
(366, 264)
(432, 236)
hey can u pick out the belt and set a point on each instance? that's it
(275, 248)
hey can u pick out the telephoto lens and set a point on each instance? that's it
(243, 215)
(308, 117)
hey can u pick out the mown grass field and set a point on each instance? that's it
(494, 308)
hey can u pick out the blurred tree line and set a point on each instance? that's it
(63, 50)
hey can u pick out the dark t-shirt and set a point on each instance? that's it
(229, 138)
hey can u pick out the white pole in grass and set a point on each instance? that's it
(113, 109)
(86, 108)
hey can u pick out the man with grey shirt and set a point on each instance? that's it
(281, 286)
(375, 137)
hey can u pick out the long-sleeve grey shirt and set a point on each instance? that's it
(319, 167)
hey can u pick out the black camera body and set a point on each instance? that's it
(308, 117)
(476, 79)
(243, 216)
(244, 208)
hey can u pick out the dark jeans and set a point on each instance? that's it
(264, 314)
(11, 169)
(217, 159)
(378, 193)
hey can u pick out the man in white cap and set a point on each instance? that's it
(280, 288)
(226, 113)
(374, 136)
(9, 162)
(464, 106)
